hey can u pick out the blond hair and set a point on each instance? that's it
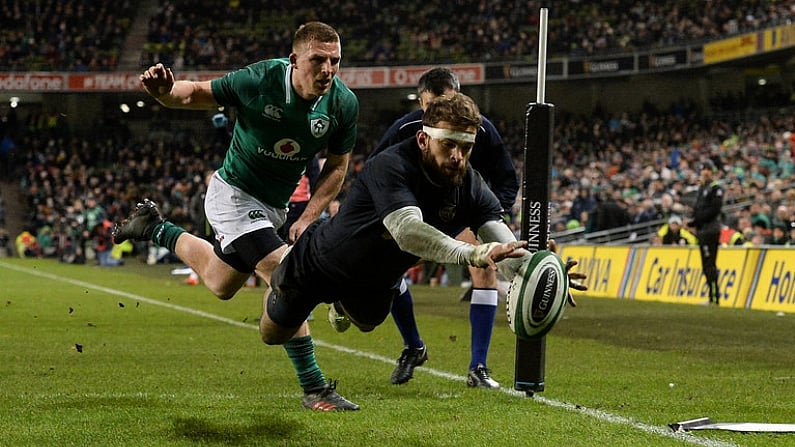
(318, 31)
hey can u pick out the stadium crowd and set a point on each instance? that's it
(609, 172)
(63, 35)
(76, 186)
(378, 32)
(75, 35)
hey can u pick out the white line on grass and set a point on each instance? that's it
(598, 414)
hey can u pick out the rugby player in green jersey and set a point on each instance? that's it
(288, 110)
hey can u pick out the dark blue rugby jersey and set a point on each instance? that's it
(355, 246)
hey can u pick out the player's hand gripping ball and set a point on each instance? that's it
(537, 295)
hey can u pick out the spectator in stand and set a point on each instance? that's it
(45, 240)
(761, 228)
(5, 241)
(673, 233)
(791, 232)
(780, 235)
(222, 135)
(756, 239)
(611, 212)
(582, 205)
(730, 236)
(646, 212)
(103, 245)
(27, 245)
(666, 205)
(93, 214)
(781, 217)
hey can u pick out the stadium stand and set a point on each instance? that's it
(59, 174)
(637, 162)
(79, 35)
(68, 35)
(377, 32)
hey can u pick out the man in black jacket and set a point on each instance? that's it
(706, 221)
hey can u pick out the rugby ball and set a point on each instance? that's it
(537, 295)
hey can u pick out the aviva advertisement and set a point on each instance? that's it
(753, 278)
(606, 267)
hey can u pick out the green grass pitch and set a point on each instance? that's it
(130, 356)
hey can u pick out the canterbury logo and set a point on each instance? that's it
(256, 214)
(273, 112)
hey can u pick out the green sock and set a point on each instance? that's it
(166, 235)
(301, 351)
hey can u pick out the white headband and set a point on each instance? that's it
(447, 134)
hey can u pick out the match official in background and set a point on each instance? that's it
(491, 158)
(706, 221)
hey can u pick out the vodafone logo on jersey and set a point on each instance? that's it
(286, 148)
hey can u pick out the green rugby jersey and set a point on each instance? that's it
(277, 132)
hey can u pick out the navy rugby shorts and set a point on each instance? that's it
(298, 285)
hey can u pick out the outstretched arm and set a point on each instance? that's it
(159, 82)
(420, 239)
(498, 231)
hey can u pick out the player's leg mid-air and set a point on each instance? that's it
(146, 223)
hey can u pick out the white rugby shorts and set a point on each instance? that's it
(232, 212)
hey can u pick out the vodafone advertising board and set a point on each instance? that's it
(33, 82)
(354, 77)
(408, 76)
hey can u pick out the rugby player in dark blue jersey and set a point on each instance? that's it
(408, 203)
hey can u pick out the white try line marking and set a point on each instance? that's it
(598, 414)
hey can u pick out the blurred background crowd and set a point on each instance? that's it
(75, 35)
(611, 170)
